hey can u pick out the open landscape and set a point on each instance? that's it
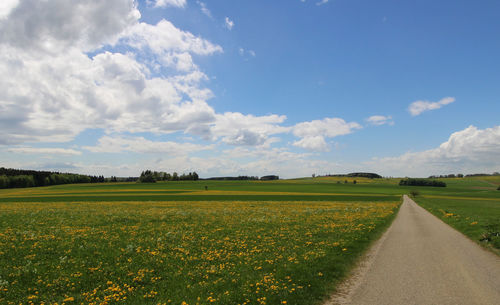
(253, 152)
(238, 242)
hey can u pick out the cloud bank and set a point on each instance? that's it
(467, 151)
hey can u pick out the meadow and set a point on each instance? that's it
(238, 242)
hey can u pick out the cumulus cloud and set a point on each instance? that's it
(228, 23)
(418, 107)
(174, 3)
(51, 96)
(315, 143)
(313, 133)
(45, 151)
(322, 2)
(238, 129)
(68, 71)
(54, 26)
(466, 151)
(165, 37)
(108, 144)
(378, 120)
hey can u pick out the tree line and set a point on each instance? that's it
(16, 178)
(149, 176)
(421, 182)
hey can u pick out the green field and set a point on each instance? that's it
(239, 242)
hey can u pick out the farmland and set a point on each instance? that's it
(235, 242)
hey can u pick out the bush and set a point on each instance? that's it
(421, 182)
(414, 193)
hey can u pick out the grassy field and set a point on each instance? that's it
(295, 190)
(251, 242)
(239, 242)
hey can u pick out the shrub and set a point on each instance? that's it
(414, 193)
(421, 182)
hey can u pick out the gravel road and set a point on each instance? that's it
(421, 260)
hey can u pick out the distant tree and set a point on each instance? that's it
(460, 175)
(414, 193)
(195, 176)
(270, 177)
(175, 176)
(4, 182)
(147, 177)
(421, 182)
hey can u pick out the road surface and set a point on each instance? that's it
(421, 260)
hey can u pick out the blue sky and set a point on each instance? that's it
(250, 87)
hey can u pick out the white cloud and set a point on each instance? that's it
(238, 129)
(164, 38)
(174, 3)
(54, 26)
(314, 132)
(108, 144)
(229, 24)
(246, 53)
(204, 9)
(417, 107)
(314, 143)
(52, 96)
(322, 2)
(470, 150)
(45, 151)
(6, 6)
(380, 120)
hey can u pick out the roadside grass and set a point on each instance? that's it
(220, 252)
(479, 219)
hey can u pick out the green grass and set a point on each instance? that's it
(470, 205)
(477, 219)
(173, 252)
(303, 189)
(240, 242)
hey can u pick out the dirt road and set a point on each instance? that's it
(421, 260)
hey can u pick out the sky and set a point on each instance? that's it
(227, 88)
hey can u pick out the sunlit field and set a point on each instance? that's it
(220, 252)
(210, 242)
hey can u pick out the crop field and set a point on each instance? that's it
(295, 190)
